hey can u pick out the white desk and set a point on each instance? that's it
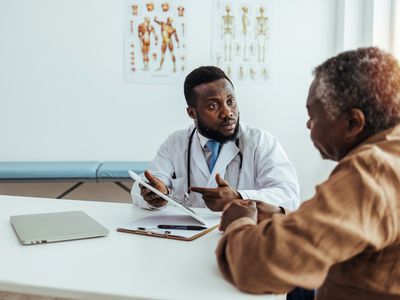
(119, 266)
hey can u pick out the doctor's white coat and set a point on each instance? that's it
(266, 173)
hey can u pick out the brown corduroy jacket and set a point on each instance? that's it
(345, 241)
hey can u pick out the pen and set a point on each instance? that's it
(182, 227)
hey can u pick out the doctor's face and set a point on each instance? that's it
(216, 113)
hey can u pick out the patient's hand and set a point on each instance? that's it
(149, 196)
(265, 210)
(216, 198)
(237, 209)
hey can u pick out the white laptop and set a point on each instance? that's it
(56, 227)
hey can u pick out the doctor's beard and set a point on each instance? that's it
(215, 135)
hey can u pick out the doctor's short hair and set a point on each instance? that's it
(205, 74)
(367, 79)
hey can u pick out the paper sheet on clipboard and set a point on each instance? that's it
(148, 226)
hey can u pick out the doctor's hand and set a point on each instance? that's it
(217, 198)
(149, 196)
(237, 209)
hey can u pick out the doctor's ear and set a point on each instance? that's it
(191, 111)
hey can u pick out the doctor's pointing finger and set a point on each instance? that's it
(216, 198)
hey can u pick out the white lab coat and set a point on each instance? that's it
(266, 173)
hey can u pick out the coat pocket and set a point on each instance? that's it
(179, 188)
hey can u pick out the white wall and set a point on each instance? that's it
(63, 95)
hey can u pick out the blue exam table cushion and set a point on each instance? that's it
(49, 170)
(119, 169)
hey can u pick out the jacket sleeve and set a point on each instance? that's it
(348, 214)
(275, 174)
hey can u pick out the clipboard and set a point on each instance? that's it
(166, 235)
(148, 226)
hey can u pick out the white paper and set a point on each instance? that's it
(149, 224)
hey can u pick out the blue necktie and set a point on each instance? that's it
(213, 146)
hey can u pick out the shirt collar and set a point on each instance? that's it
(203, 140)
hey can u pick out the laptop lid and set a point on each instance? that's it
(55, 227)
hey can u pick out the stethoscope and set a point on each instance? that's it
(189, 156)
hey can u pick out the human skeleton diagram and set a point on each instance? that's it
(145, 30)
(228, 33)
(181, 10)
(261, 34)
(167, 31)
(245, 25)
(240, 37)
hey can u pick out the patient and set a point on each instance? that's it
(345, 241)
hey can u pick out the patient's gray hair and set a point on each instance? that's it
(367, 79)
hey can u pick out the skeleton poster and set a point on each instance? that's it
(240, 39)
(154, 41)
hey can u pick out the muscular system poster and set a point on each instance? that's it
(155, 41)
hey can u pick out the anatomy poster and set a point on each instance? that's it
(155, 41)
(241, 38)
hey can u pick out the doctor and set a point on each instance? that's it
(217, 159)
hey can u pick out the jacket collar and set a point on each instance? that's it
(390, 134)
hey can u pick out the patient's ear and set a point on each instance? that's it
(191, 112)
(355, 123)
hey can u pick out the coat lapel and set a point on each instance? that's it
(198, 157)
